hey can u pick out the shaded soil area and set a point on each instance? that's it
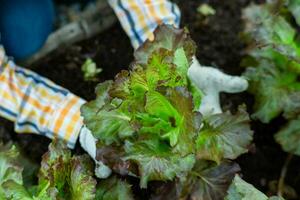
(219, 45)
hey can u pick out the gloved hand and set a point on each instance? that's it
(88, 143)
(211, 82)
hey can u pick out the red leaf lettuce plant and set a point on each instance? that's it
(147, 125)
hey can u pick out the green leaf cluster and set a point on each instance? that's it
(148, 111)
(273, 61)
(69, 177)
(12, 183)
(224, 136)
(273, 66)
(147, 125)
(61, 176)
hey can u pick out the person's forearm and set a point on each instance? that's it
(37, 105)
(139, 18)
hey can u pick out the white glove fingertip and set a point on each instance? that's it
(102, 171)
(235, 84)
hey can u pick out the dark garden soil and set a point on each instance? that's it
(219, 45)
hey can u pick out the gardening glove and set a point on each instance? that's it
(88, 143)
(211, 82)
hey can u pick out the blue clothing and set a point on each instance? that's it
(25, 25)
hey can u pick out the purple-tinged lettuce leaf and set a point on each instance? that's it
(271, 32)
(157, 162)
(120, 87)
(289, 137)
(161, 71)
(188, 123)
(55, 166)
(208, 180)
(10, 168)
(112, 156)
(241, 190)
(276, 91)
(224, 136)
(82, 184)
(166, 37)
(113, 189)
(69, 177)
(165, 190)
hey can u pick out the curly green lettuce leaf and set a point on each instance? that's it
(112, 156)
(82, 184)
(160, 71)
(170, 38)
(15, 191)
(12, 185)
(106, 119)
(55, 165)
(224, 136)
(157, 162)
(276, 91)
(271, 32)
(113, 189)
(171, 115)
(241, 190)
(209, 181)
(69, 177)
(289, 137)
(167, 58)
(10, 168)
